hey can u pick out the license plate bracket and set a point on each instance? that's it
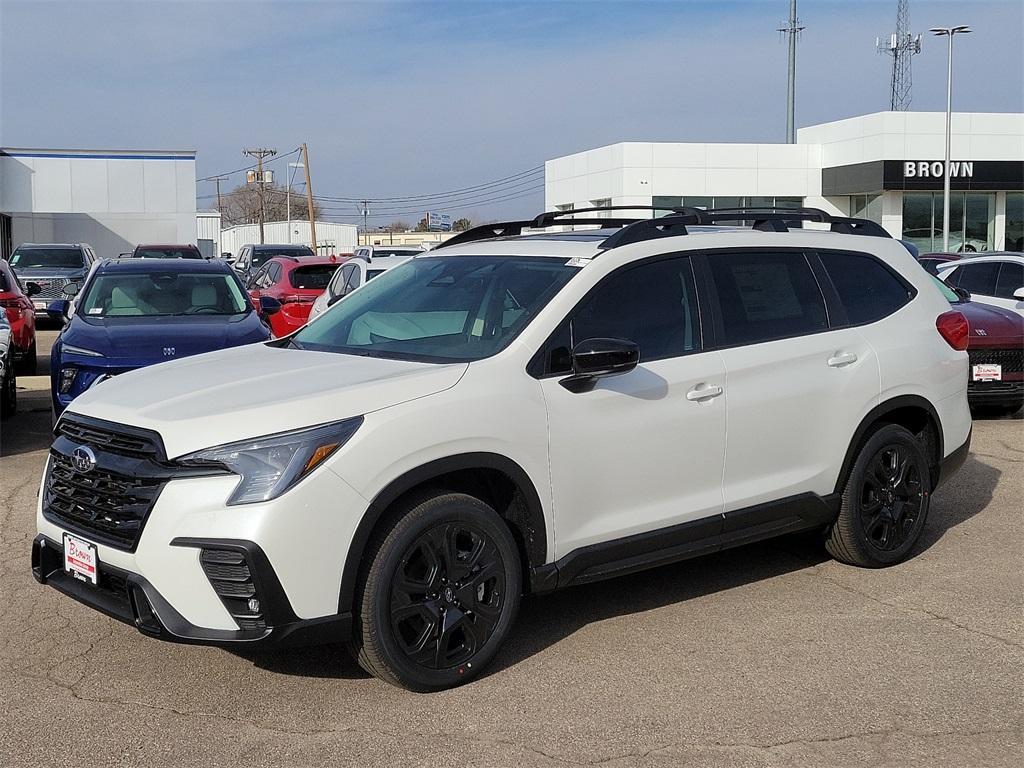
(987, 372)
(81, 559)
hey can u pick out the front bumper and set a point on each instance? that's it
(130, 598)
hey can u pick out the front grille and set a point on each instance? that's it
(231, 578)
(99, 437)
(107, 507)
(52, 288)
(1012, 360)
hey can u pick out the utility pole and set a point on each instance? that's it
(217, 180)
(309, 197)
(901, 45)
(259, 154)
(792, 30)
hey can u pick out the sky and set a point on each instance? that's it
(406, 99)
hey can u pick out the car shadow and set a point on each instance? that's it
(545, 620)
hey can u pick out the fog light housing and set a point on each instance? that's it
(67, 379)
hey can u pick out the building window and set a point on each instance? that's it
(1015, 221)
(971, 216)
(866, 207)
(604, 202)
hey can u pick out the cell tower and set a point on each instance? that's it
(901, 45)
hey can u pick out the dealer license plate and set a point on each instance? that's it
(80, 559)
(987, 372)
(39, 304)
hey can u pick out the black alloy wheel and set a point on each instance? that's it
(891, 498)
(439, 593)
(885, 500)
(447, 595)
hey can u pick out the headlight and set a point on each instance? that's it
(271, 465)
(67, 379)
(80, 351)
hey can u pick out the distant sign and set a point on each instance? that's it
(438, 222)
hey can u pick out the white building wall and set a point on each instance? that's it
(208, 228)
(331, 237)
(111, 200)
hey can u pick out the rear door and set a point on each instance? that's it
(642, 451)
(796, 386)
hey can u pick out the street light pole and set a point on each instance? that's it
(949, 32)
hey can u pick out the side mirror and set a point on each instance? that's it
(594, 359)
(58, 310)
(1019, 294)
(31, 289)
(269, 305)
(962, 293)
(71, 290)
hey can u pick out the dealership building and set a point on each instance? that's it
(886, 166)
(111, 199)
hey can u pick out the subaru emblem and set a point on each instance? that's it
(168, 351)
(83, 459)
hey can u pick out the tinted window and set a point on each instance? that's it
(56, 258)
(167, 253)
(766, 296)
(979, 278)
(314, 277)
(1011, 278)
(152, 294)
(653, 305)
(866, 288)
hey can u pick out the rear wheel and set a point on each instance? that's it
(885, 501)
(440, 594)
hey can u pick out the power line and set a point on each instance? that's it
(481, 199)
(248, 167)
(410, 198)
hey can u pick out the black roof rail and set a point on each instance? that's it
(555, 218)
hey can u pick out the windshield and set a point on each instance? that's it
(947, 292)
(440, 309)
(263, 255)
(161, 294)
(314, 277)
(167, 253)
(56, 258)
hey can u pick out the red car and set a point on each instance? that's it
(995, 346)
(932, 261)
(14, 300)
(295, 281)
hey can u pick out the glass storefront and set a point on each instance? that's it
(721, 201)
(866, 207)
(971, 216)
(1015, 221)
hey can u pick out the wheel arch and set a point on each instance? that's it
(496, 479)
(914, 413)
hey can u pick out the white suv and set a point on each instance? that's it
(509, 414)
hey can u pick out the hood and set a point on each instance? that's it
(992, 326)
(135, 341)
(256, 390)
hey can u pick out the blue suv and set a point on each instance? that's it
(135, 313)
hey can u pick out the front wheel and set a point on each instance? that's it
(440, 594)
(885, 501)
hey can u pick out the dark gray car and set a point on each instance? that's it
(52, 266)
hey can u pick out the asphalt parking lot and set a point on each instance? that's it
(769, 655)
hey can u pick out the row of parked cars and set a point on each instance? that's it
(161, 302)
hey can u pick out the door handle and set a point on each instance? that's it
(840, 359)
(703, 392)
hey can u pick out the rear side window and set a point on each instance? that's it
(653, 305)
(1011, 278)
(866, 288)
(978, 278)
(315, 277)
(765, 296)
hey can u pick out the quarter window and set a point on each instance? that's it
(867, 290)
(1011, 278)
(979, 278)
(653, 305)
(765, 296)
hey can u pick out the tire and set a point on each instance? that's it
(885, 501)
(8, 395)
(27, 364)
(439, 594)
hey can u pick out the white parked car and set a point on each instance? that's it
(997, 279)
(514, 414)
(349, 276)
(370, 253)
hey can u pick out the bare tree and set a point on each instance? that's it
(397, 226)
(242, 205)
(461, 225)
